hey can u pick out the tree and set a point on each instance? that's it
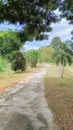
(56, 42)
(18, 62)
(35, 15)
(45, 54)
(67, 11)
(71, 47)
(72, 34)
(62, 56)
(32, 57)
(2, 64)
(9, 44)
(70, 44)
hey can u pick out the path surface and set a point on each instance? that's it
(24, 107)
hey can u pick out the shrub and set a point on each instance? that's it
(3, 64)
(32, 57)
(18, 62)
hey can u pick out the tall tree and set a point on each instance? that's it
(35, 15)
(56, 41)
(9, 43)
(46, 53)
(67, 10)
(62, 56)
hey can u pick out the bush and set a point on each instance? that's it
(34, 62)
(3, 64)
(32, 57)
(18, 62)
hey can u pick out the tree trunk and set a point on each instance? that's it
(59, 67)
(62, 71)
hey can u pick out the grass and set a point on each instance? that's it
(13, 78)
(59, 95)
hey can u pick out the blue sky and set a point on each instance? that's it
(61, 29)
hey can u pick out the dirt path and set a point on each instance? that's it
(24, 107)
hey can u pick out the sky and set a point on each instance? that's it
(62, 29)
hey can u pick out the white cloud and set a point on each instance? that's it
(62, 29)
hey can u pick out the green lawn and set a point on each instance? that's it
(59, 95)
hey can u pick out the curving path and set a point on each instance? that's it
(24, 106)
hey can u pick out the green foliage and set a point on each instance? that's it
(9, 44)
(56, 42)
(62, 55)
(41, 55)
(18, 62)
(3, 64)
(36, 15)
(32, 57)
(67, 10)
(46, 53)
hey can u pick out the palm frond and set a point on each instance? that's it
(62, 55)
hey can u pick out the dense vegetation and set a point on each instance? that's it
(9, 44)
(18, 62)
(32, 57)
(10, 50)
(45, 54)
(3, 65)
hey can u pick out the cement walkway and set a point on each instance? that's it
(24, 107)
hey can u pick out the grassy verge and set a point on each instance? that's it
(9, 80)
(59, 95)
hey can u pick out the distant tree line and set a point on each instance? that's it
(10, 46)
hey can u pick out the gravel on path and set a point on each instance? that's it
(24, 107)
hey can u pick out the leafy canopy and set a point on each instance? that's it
(9, 43)
(56, 42)
(32, 57)
(67, 9)
(18, 62)
(62, 55)
(45, 53)
(35, 15)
